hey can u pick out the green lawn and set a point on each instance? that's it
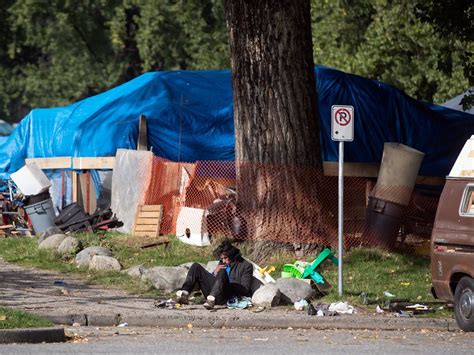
(10, 319)
(369, 271)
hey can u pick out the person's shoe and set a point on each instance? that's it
(182, 296)
(210, 302)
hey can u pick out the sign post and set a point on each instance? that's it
(342, 130)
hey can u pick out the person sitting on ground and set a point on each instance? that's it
(231, 278)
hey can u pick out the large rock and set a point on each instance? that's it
(84, 257)
(267, 296)
(211, 266)
(166, 278)
(293, 290)
(52, 242)
(104, 263)
(135, 271)
(48, 233)
(255, 285)
(70, 245)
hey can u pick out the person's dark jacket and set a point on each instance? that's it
(241, 272)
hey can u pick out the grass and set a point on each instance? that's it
(369, 271)
(24, 251)
(11, 319)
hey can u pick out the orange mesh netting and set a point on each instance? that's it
(286, 204)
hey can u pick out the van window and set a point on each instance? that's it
(467, 202)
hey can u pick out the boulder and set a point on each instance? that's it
(52, 242)
(166, 278)
(70, 245)
(104, 263)
(267, 296)
(293, 290)
(48, 233)
(135, 271)
(211, 265)
(84, 257)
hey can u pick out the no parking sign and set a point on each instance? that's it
(342, 123)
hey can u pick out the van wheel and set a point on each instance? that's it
(464, 304)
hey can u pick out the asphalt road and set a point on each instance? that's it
(117, 340)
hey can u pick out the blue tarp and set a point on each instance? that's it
(190, 117)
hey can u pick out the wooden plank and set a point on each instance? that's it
(467, 172)
(144, 234)
(142, 134)
(371, 170)
(351, 169)
(156, 214)
(146, 228)
(51, 163)
(148, 221)
(75, 187)
(150, 208)
(93, 163)
(140, 220)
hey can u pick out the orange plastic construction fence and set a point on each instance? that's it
(286, 204)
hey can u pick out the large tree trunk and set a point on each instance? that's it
(276, 118)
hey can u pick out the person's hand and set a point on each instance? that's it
(219, 268)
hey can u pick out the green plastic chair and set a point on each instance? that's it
(310, 271)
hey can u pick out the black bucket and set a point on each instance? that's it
(383, 220)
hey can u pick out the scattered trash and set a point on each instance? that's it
(388, 294)
(122, 325)
(403, 314)
(341, 308)
(301, 305)
(320, 310)
(379, 310)
(59, 282)
(258, 309)
(261, 339)
(239, 303)
(311, 310)
(170, 303)
(76, 324)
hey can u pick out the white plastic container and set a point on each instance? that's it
(31, 180)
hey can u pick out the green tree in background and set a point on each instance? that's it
(55, 52)
(387, 41)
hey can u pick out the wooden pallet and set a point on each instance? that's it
(147, 221)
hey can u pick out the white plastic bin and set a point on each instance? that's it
(31, 180)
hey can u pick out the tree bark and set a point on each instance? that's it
(277, 137)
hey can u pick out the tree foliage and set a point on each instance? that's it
(54, 52)
(388, 41)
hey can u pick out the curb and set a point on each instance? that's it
(199, 321)
(32, 335)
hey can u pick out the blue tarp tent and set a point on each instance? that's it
(190, 117)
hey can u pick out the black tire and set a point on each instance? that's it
(464, 304)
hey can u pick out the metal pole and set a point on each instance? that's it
(340, 216)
